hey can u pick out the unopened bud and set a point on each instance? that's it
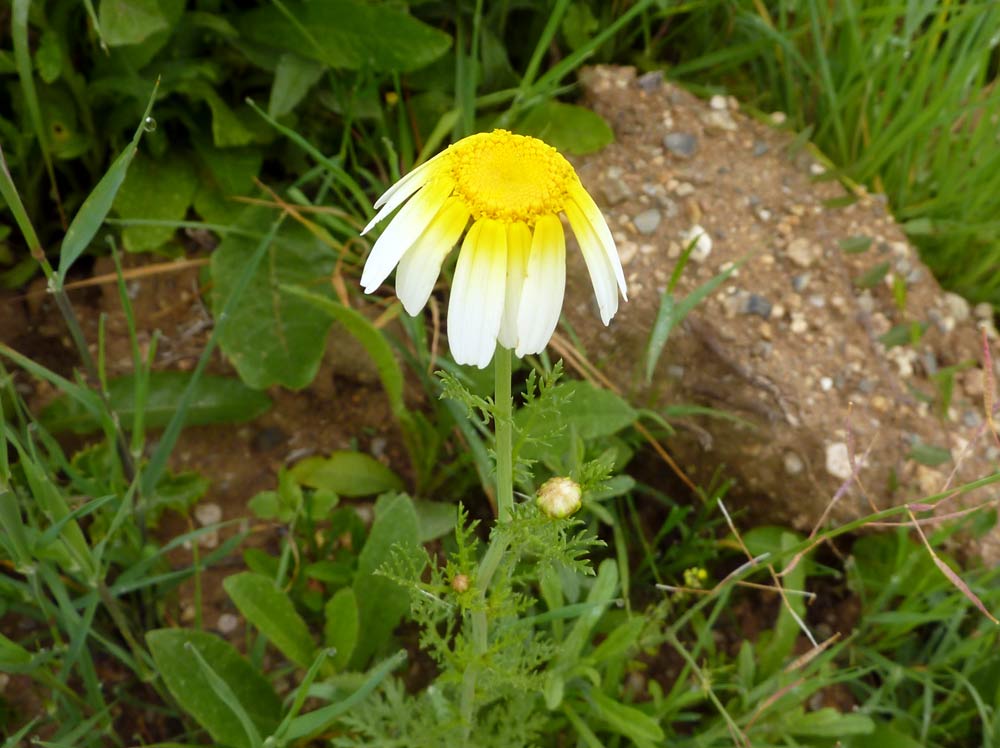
(559, 497)
(460, 583)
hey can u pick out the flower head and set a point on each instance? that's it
(559, 497)
(511, 273)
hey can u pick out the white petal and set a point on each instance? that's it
(518, 247)
(402, 232)
(477, 294)
(418, 172)
(600, 226)
(544, 287)
(602, 274)
(393, 197)
(420, 266)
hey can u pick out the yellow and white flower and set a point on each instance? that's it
(511, 273)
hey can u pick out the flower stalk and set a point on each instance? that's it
(503, 422)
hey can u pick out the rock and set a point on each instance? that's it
(760, 147)
(802, 252)
(703, 242)
(647, 222)
(614, 188)
(717, 102)
(810, 379)
(758, 305)
(227, 623)
(716, 120)
(651, 81)
(838, 461)
(682, 144)
(208, 513)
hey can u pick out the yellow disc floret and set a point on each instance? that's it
(510, 178)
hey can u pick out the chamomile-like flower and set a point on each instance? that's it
(511, 273)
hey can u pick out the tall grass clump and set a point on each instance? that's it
(901, 96)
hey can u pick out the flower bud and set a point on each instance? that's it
(559, 497)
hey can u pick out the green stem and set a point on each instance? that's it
(504, 423)
(480, 627)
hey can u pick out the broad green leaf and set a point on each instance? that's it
(883, 736)
(216, 400)
(155, 189)
(12, 655)
(347, 474)
(381, 602)
(342, 623)
(626, 720)
(49, 56)
(567, 127)
(272, 612)
(826, 723)
(437, 518)
(130, 21)
(586, 411)
(348, 34)
(293, 78)
(273, 337)
(374, 342)
(195, 694)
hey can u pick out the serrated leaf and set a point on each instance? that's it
(347, 474)
(348, 34)
(155, 189)
(274, 337)
(381, 602)
(194, 692)
(340, 630)
(568, 127)
(272, 612)
(216, 400)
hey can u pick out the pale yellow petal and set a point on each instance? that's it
(420, 266)
(518, 247)
(477, 294)
(544, 287)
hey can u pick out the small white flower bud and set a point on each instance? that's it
(559, 497)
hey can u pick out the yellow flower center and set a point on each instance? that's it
(510, 177)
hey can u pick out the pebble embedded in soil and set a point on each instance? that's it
(760, 147)
(227, 623)
(647, 222)
(793, 463)
(838, 460)
(614, 188)
(208, 514)
(650, 81)
(703, 242)
(802, 252)
(758, 305)
(682, 144)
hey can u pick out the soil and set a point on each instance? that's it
(793, 343)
